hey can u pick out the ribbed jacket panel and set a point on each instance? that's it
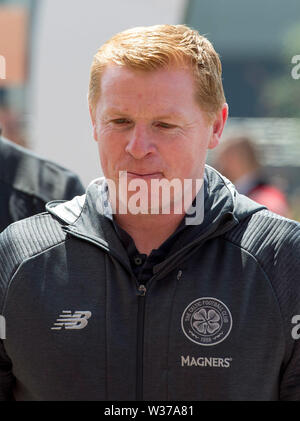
(23, 240)
(274, 242)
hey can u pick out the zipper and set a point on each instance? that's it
(141, 292)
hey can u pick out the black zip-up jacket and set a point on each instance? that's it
(28, 182)
(217, 321)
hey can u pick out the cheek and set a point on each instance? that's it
(111, 154)
(188, 158)
(185, 153)
(102, 155)
(105, 153)
(178, 161)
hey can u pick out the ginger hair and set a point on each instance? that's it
(155, 47)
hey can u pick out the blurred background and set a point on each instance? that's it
(46, 49)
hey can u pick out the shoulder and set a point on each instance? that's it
(265, 232)
(274, 242)
(29, 173)
(23, 240)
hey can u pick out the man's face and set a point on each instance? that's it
(150, 125)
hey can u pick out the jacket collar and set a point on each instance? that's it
(90, 215)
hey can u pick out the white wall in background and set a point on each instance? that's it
(67, 35)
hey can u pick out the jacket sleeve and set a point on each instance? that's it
(290, 384)
(19, 242)
(6, 376)
(288, 293)
(7, 379)
(9, 261)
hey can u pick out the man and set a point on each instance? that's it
(238, 160)
(100, 302)
(28, 182)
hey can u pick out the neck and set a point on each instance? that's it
(149, 231)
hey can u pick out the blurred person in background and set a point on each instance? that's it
(28, 182)
(237, 159)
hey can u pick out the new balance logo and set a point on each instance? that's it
(78, 320)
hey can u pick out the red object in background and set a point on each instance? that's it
(271, 197)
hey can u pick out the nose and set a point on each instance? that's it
(140, 142)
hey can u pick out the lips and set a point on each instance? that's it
(144, 174)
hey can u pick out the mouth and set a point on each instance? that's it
(144, 175)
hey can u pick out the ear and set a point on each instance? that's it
(218, 126)
(93, 120)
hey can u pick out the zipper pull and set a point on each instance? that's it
(142, 290)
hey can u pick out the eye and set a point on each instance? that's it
(163, 125)
(120, 121)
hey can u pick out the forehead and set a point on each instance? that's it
(159, 88)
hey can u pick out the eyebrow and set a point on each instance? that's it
(171, 114)
(168, 115)
(114, 111)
